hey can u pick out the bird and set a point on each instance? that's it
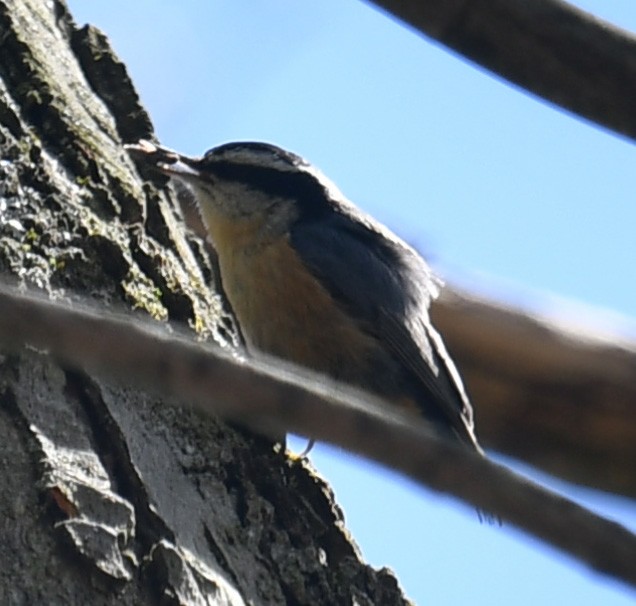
(317, 282)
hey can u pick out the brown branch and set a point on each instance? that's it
(548, 47)
(561, 398)
(280, 399)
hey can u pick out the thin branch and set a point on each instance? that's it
(548, 47)
(279, 399)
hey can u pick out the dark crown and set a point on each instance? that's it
(253, 152)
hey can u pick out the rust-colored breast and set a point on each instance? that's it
(283, 310)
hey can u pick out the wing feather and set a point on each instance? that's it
(388, 287)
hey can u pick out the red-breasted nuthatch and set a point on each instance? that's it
(315, 281)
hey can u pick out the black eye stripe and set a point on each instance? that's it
(310, 195)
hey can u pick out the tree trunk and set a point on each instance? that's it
(110, 495)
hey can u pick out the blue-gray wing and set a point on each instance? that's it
(387, 287)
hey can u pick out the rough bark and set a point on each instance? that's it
(109, 494)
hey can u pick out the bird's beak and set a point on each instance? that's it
(169, 162)
(179, 169)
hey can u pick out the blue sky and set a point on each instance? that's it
(503, 193)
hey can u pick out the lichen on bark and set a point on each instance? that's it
(111, 494)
